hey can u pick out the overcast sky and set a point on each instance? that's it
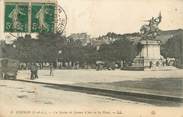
(97, 17)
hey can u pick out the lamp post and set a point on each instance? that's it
(14, 46)
(58, 58)
(59, 53)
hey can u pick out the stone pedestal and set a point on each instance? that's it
(149, 55)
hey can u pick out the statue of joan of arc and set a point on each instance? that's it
(151, 30)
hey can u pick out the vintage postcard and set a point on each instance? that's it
(91, 58)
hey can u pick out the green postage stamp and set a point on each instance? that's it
(16, 17)
(42, 17)
(23, 17)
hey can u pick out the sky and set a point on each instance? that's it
(97, 17)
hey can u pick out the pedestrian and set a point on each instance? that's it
(150, 64)
(34, 71)
(51, 69)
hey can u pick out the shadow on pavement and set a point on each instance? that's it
(159, 86)
(158, 100)
(119, 95)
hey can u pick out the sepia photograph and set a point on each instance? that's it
(91, 58)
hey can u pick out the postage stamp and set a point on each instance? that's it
(42, 17)
(16, 17)
(34, 17)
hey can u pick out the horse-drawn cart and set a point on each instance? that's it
(8, 68)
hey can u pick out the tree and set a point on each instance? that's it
(50, 44)
(122, 49)
(173, 47)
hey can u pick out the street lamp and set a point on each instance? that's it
(14, 46)
(60, 52)
(58, 58)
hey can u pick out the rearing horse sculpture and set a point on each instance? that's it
(151, 30)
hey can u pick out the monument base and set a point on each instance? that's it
(149, 56)
(140, 63)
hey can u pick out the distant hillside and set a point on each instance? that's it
(111, 37)
(163, 37)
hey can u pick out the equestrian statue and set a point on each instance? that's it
(151, 30)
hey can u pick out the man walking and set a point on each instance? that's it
(34, 70)
(51, 69)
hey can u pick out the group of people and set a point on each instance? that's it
(34, 70)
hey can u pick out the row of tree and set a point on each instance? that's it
(173, 48)
(49, 47)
